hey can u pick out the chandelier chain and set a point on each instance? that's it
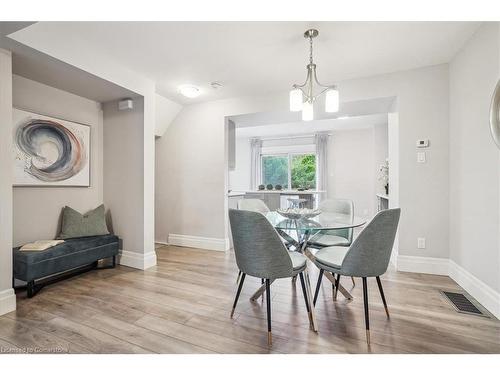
(310, 50)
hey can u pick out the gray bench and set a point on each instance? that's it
(39, 268)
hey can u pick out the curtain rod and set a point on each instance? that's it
(291, 137)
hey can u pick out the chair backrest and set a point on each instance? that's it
(342, 206)
(257, 246)
(255, 205)
(370, 253)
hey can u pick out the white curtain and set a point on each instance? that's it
(321, 140)
(255, 152)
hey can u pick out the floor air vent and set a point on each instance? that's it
(463, 304)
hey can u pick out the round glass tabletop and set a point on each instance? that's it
(324, 221)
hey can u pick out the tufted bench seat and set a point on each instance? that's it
(31, 266)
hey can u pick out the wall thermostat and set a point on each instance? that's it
(422, 143)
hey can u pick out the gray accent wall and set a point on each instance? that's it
(37, 210)
(124, 172)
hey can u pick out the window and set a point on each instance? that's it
(303, 171)
(275, 170)
(289, 170)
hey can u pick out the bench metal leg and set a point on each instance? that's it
(33, 288)
(113, 264)
(30, 288)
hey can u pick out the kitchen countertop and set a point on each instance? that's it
(284, 192)
(236, 194)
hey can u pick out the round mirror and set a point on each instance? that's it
(495, 115)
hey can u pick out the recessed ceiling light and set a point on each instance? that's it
(189, 91)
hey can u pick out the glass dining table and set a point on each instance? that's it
(298, 232)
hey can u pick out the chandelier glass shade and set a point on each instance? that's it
(302, 97)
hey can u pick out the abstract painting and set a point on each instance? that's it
(50, 151)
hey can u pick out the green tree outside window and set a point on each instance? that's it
(301, 168)
(303, 171)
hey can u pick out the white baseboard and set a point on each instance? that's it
(433, 266)
(162, 243)
(137, 260)
(206, 243)
(7, 301)
(483, 293)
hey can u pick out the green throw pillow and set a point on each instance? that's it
(75, 225)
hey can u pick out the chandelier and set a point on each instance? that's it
(302, 97)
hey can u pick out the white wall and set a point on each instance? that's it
(239, 178)
(474, 160)
(191, 170)
(351, 168)
(124, 180)
(7, 296)
(166, 110)
(37, 209)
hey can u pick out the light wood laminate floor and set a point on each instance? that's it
(182, 306)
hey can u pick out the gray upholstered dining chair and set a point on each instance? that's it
(255, 205)
(260, 253)
(336, 237)
(368, 256)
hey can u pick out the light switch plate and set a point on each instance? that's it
(421, 157)
(421, 243)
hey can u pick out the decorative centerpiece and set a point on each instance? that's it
(298, 213)
(269, 187)
(261, 187)
(278, 187)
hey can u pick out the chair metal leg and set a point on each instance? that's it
(304, 290)
(238, 293)
(318, 285)
(312, 315)
(379, 283)
(353, 282)
(268, 303)
(337, 283)
(367, 318)
(238, 278)
(333, 287)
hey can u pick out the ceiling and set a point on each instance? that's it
(32, 64)
(301, 128)
(253, 58)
